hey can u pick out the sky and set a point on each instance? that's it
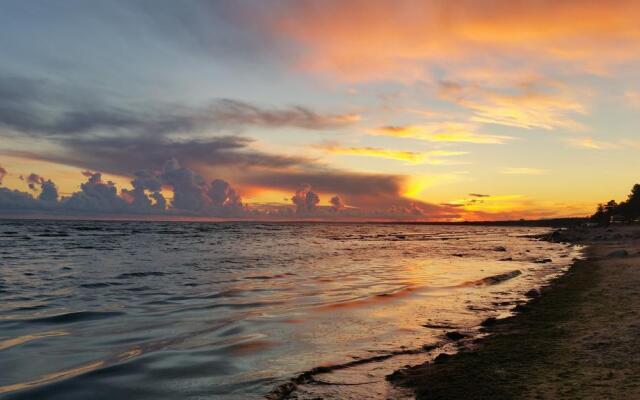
(377, 109)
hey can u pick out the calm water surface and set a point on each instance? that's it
(153, 310)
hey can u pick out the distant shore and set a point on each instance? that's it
(544, 223)
(579, 339)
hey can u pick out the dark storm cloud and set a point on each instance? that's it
(34, 107)
(123, 154)
(330, 181)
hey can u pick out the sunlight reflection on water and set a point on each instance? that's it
(230, 310)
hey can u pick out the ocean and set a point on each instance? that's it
(233, 310)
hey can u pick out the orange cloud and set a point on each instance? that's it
(441, 132)
(364, 40)
(528, 107)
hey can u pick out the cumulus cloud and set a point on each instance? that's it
(122, 139)
(193, 195)
(223, 195)
(48, 192)
(12, 200)
(33, 180)
(336, 203)
(305, 200)
(139, 199)
(18, 200)
(96, 196)
(48, 189)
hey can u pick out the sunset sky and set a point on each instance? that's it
(366, 109)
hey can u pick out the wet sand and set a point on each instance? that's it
(578, 339)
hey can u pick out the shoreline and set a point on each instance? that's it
(452, 339)
(560, 344)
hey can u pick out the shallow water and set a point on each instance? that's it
(165, 310)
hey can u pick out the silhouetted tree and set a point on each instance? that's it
(600, 216)
(611, 207)
(633, 203)
(629, 209)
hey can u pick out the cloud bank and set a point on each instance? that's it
(191, 195)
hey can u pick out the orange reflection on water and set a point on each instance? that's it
(5, 344)
(55, 376)
(369, 300)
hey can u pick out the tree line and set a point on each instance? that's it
(628, 210)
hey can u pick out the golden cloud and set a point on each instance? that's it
(441, 132)
(433, 157)
(529, 106)
(591, 144)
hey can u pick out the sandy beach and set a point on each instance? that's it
(577, 339)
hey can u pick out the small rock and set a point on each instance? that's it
(500, 248)
(520, 308)
(441, 357)
(396, 375)
(438, 326)
(489, 321)
(429, 347)
(533, 293)
(618, 253)
(453, 335)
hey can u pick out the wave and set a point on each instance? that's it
(402, 292)
(72, 317)
(493, 279)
